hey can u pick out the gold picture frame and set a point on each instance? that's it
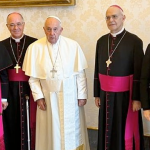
(30, 3)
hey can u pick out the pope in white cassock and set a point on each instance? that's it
(56, 66)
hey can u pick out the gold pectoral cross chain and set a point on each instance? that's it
(17, 61)
(108, 62)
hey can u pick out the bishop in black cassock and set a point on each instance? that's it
(14, 118)
(5, 62)
(145, 84)
(117, 83)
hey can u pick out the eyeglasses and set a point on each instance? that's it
(12, 25)
(114, 17)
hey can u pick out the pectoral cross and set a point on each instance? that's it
(17, 68)
(108, 62)
(53, 71)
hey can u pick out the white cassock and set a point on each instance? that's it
(62, 126)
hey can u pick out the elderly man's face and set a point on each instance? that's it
(114, 19)
(15, 25)
(52, 30)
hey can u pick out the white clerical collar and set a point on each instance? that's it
(17, 40)
(115, 34)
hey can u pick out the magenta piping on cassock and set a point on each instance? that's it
(20, 76)
(122, 84)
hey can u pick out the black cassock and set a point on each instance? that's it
(5, 62)
(14, 118)
(126, 60)
(145, 80)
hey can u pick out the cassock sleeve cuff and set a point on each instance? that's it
(83, 96)
(4, 100)
(37, 96)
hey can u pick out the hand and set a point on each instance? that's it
(81, 102)
(97, 102)
(136, 105)
(41, 104)
(146, 114)
(4, 105)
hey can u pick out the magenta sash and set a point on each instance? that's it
(122, 84)
(20, 76)
(2, 146)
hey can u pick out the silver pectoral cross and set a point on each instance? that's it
(17, 67)
(53, 71)
(108, 62)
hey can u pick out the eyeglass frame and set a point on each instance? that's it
(18, 24)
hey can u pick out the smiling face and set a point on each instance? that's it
(114, 19)
(15, 25)
(52, 29)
